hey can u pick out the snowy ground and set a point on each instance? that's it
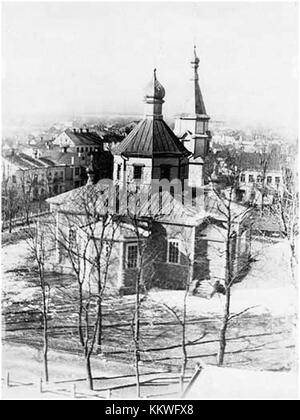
(267, 290)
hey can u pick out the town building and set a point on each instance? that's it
(40, 177)
(81, 141)
(261, 177)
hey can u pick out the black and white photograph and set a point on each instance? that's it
(149, 203)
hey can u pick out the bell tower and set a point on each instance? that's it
(192, 125)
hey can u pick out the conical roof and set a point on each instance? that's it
(151, 137)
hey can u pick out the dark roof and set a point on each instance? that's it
(24, 162)
(199, 102)
(59, 157)
(84, 138)
(255, 161)
(151, 137)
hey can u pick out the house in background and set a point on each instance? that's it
(80, 141)
(261, 177)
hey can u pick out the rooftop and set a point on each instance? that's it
(151, 137)
(84, 138)
(25, 162)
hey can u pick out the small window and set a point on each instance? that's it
(259, 179)
(277, 180)
(77, 171)
(251, 178)
(14, 179)
(107, 250)
(72, 237)
(173, 252)
(137, 172)
(243, 178)
(119, 168)
(269, 180)
(132, 256)
(165, 172)
(194, 196)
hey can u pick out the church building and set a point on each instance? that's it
(181, 238)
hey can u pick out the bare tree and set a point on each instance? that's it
(286, 209)
(11, 202)
(221, 200)
(86, 235)
(38, 244)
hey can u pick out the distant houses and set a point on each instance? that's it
(47, 167)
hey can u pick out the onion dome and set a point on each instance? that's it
(154, 89)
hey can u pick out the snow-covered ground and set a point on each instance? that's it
(267, 288)
(212, 383)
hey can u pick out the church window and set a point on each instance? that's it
(119, 167)
(137, 172)
(132, 256)
(72, 238)
(194, 196)
(165, 172)
(173, 251)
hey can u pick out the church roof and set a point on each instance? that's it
(194, 104)
(149, 138)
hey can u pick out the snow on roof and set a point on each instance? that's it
(166, 209)
(218, 383)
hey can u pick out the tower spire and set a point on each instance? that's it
(198, 98)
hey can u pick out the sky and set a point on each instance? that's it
(77, 58)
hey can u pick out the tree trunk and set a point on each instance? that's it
(99, 331)
(224, 328)
(45, 349)
(89, 377)
(80, 312)
(137, 336)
